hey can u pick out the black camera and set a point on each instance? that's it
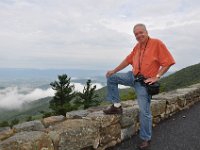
(140, 78)
(152, 89)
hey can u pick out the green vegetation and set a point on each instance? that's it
(183, 78)
(29, 118)
(88, 98)
(10, 124)
(4, 124)
(61, 102)
(127, 94)
(66, 99)
(14, 122)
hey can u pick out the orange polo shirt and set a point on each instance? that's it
(151, 58)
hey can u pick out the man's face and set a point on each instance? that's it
(141, 34)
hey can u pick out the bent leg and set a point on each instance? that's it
(112, 85)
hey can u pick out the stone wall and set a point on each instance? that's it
(91, 129)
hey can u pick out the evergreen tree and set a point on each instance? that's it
(87, 97)
(61, 102)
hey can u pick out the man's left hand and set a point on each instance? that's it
(151, 80)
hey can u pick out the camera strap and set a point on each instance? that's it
(140, 60)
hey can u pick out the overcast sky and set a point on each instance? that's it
(93, 34)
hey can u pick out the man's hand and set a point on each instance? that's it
(151, 80)
(159, 74)
(110, 73)
(121, 66)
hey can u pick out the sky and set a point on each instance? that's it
(93, 34)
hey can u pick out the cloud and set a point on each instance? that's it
(14, 97)
(91, 34)
(79, 87)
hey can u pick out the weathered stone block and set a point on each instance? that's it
(129, 116)
(110, 144)
(181, 101)
(171, 108)
(104, 120)
(77, 114)
(75, 134)
(157, 107)
(29, 126)
(128, 132)
(110, 133)
(129, 103)
(52, 120)
(5, 132)
(156, 120)
(34, 140)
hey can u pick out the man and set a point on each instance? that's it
(149, 58)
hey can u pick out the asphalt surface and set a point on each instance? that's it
(180, 132)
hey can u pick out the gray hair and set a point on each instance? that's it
(141, 25)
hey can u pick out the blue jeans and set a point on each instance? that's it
(143, 99)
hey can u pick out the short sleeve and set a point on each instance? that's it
(129, 58)
(165, 58)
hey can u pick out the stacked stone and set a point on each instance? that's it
(178, 100)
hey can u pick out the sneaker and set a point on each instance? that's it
(113, 110)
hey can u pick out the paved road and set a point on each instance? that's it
(180, 132)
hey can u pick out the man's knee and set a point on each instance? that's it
(111, 78)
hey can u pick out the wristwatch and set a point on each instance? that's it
(158, 76)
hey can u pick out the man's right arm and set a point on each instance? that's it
(121, 66)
